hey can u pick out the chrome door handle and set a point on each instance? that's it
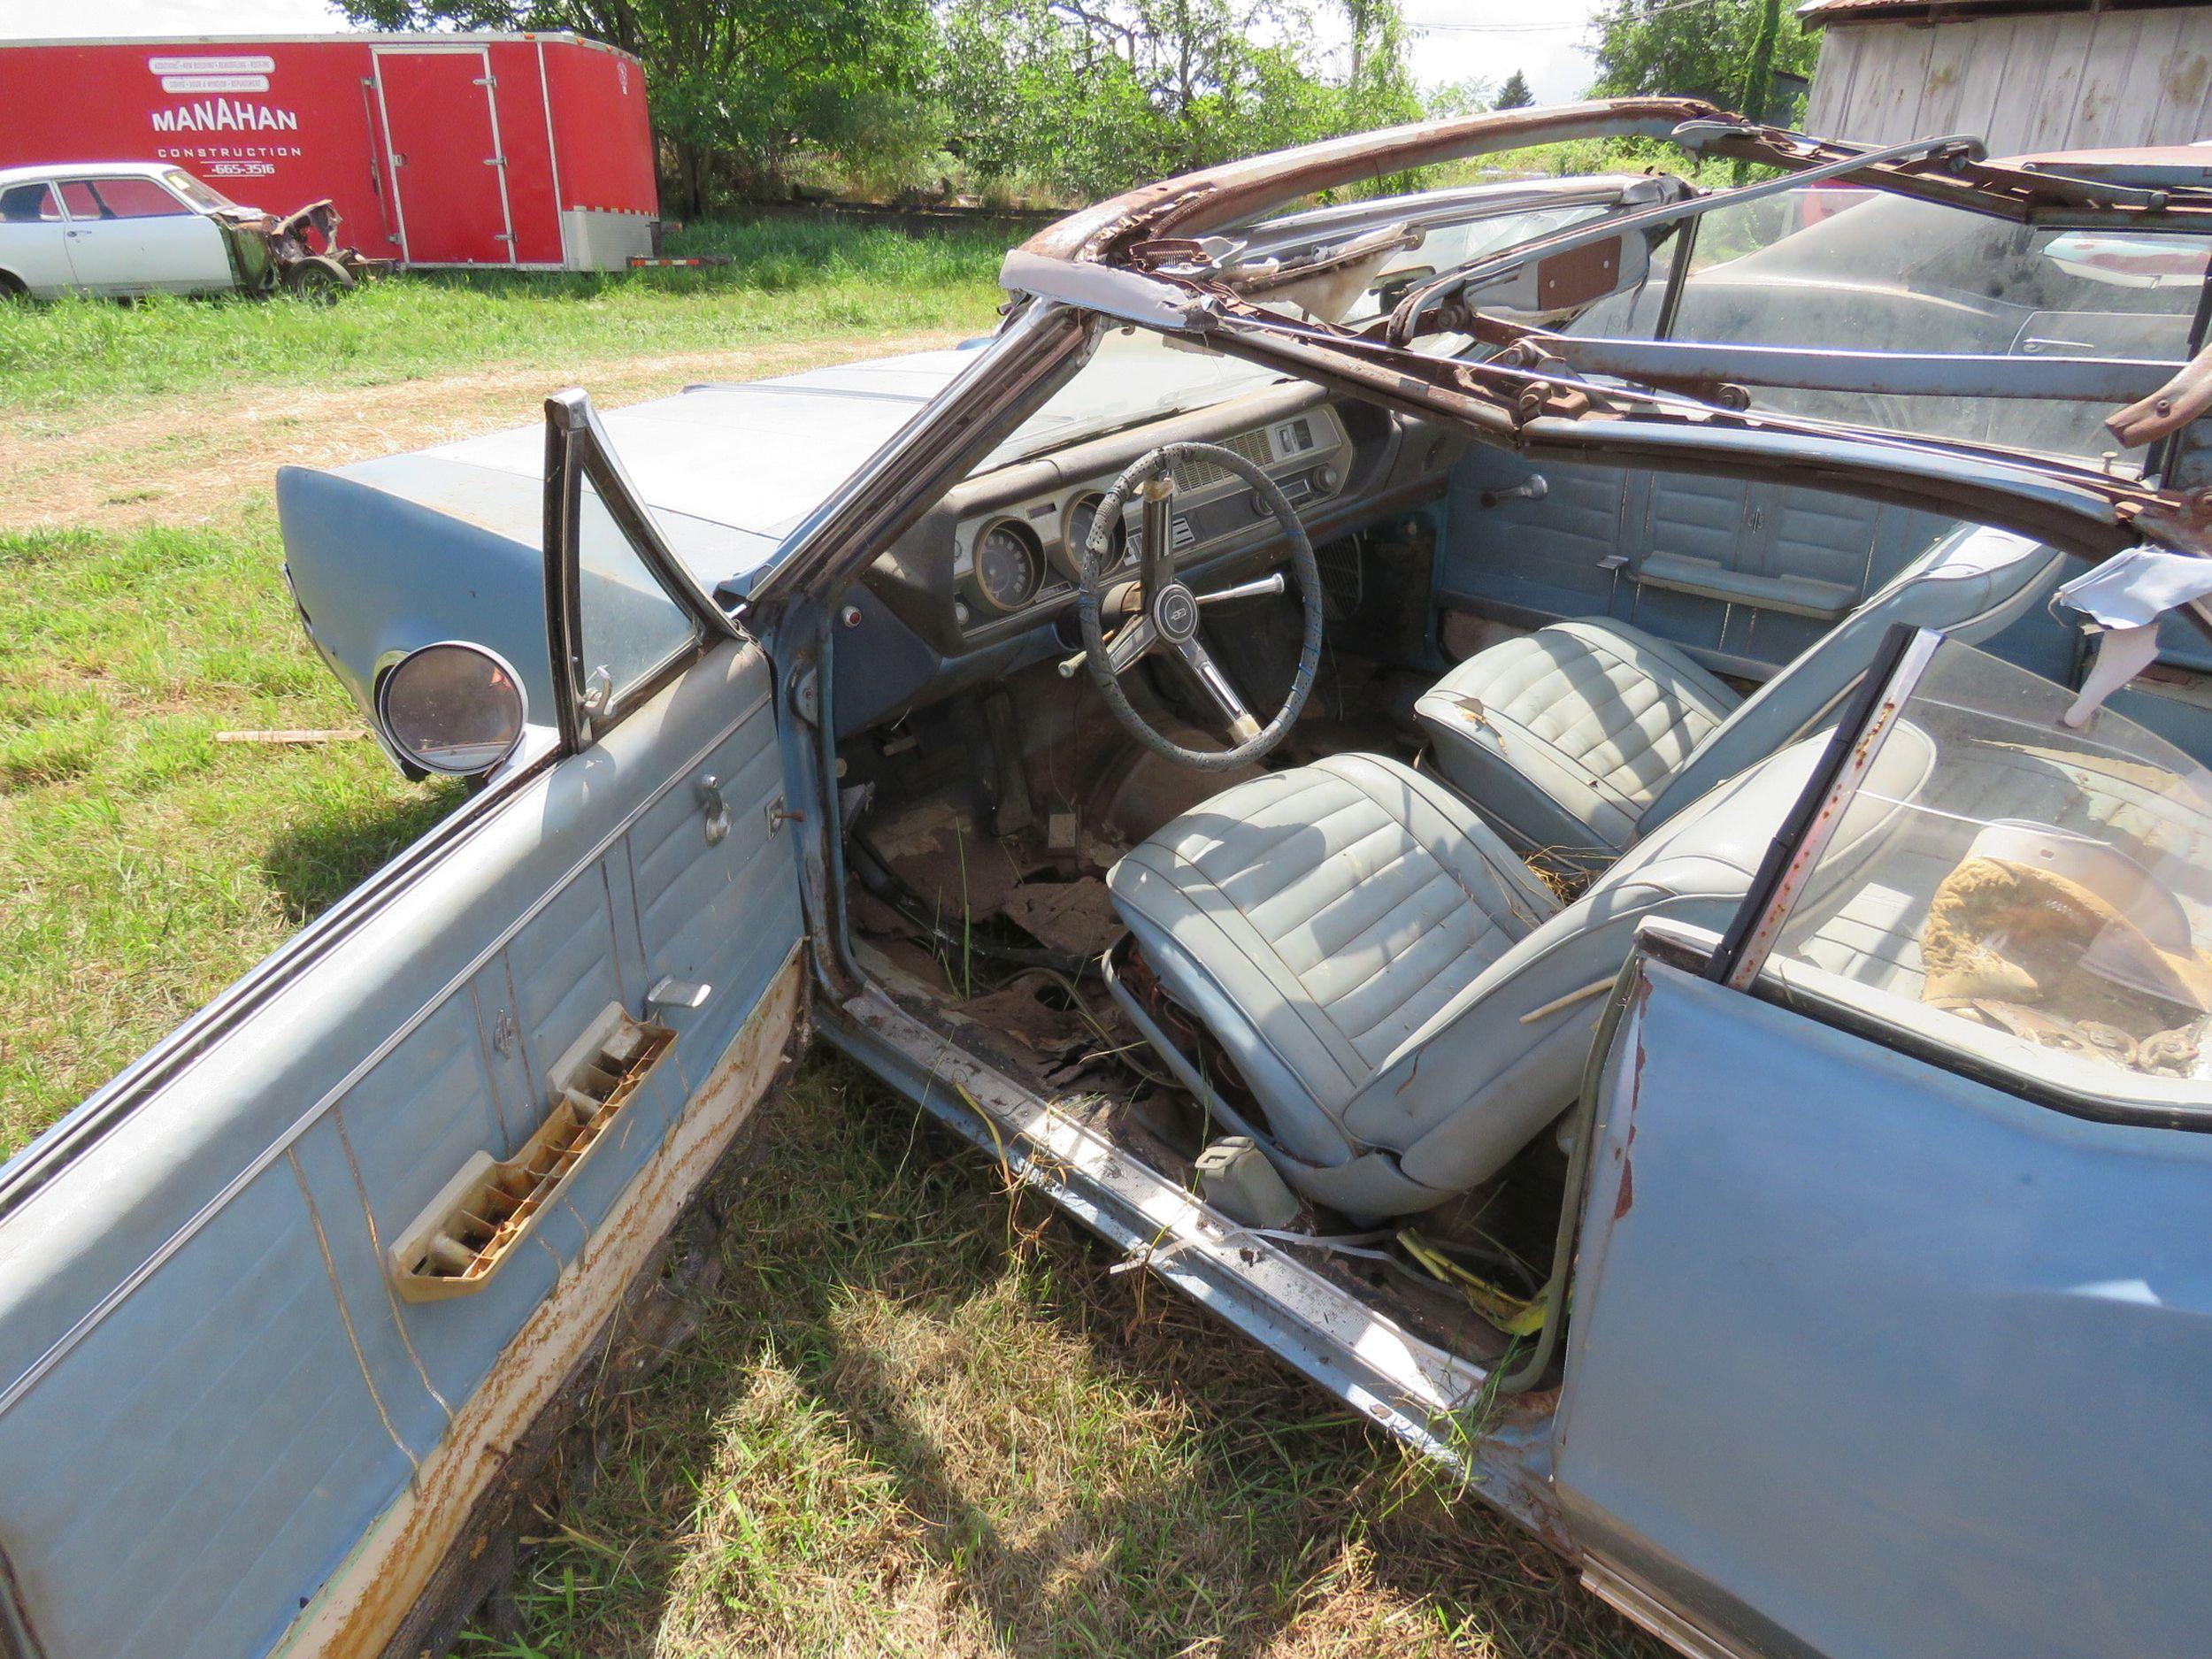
(718, 809)
(668, 994)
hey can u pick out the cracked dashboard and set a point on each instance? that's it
(986, 580)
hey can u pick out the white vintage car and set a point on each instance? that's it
(130, 227)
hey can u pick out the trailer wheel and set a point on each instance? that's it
(318, 278)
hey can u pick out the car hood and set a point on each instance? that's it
(728, 471)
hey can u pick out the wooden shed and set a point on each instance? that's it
(2026, 75)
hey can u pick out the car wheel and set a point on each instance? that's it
(12, 286)
(318, 278)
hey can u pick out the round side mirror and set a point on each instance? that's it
(452, 708)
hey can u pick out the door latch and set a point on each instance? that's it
(718, 809)
(779, 815)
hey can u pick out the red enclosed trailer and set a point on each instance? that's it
(531, 151)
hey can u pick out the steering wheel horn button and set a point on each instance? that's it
(1175, 613)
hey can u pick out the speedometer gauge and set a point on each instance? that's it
(1081, 518)
(1009, 565)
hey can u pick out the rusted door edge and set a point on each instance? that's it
(1434, 1401)
(380, 1584)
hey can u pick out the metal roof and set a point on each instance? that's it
(1815, 14)
(363, 37)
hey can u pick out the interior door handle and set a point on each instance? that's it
(718, 809)
(1534, 487)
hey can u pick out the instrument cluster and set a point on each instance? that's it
(1027, 555)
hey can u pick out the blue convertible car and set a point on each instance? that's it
(1577, 804)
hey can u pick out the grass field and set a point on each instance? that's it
(790, 278)
(921, 1418)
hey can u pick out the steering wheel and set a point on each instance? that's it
(1157, 611)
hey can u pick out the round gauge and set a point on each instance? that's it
(1081, 518)
(1009, 566)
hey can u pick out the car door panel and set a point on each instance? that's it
(1546, 556)
(706, 918)
(205, 1370)
(1747, 575)
(211, 1433)
(1869, 1358)
(34, 240)
(181, 253)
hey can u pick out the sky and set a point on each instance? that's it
(1454, 40)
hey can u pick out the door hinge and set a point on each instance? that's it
(503, 1033)
(486, 81)
(494, 161)
(502, 235)
(805, 701)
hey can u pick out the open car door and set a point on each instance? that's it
(1893, 1310)
(278, 1304)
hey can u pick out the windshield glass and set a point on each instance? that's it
(1135, 376)
(2039, 895)
(1447, 246)
(1861, 271)
(204, 197)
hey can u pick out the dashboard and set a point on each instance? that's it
(985, 581)
(1010, 559)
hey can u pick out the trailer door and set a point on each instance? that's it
(442, 139)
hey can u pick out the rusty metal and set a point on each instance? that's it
(1194, 203)
(1508, 403)
(2088, 512)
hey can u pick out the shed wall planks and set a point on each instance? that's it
(2090, 80)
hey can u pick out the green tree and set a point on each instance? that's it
(1515, 93)
(1092, 95)
(1725, 51)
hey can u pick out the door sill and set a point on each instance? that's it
(1433, 1401)
(1639, 1605)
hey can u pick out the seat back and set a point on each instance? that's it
(1504, 1057)
(1970, 584)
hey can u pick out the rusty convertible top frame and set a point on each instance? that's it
(1135, 257)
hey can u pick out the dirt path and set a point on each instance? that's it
(184, 460)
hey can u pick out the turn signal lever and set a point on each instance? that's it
(1531, 489)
